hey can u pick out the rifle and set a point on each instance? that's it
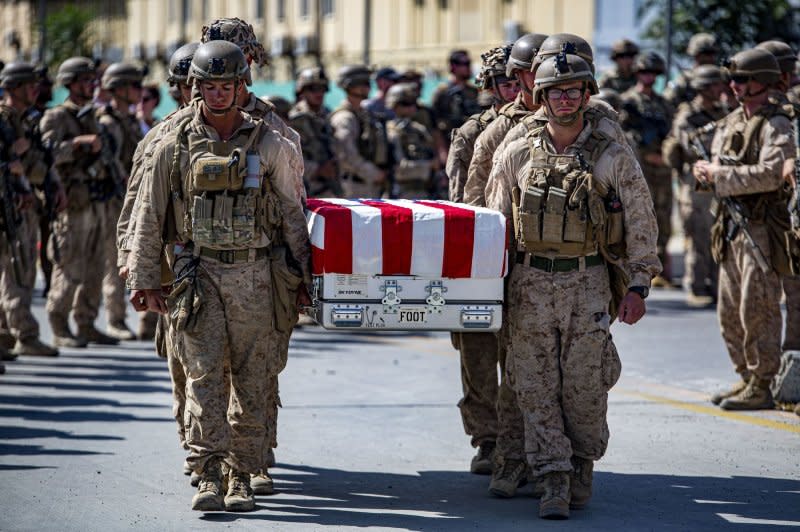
(107, 158)
(738, 218)
(32, 120)
(11, 220)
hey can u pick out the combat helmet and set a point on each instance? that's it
(756, 63)
(181, 62)
(702, 43)
(351, 75)
(649, 62)
(220, 60)
(569, 44)
(611, 97)
(493, 66)
(706, 75)
(311, 77)
(782, 52)
(282, 105)
(401, 93)
(74, 67)
(522, 53)
(18, 73)
(120, 74)
(238, 32)
(623, 47)
(563, 68)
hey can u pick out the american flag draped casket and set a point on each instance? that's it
(407, 264)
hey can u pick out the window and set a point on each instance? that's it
(258, 8)
(419, 3)
(303, 8)
(328, 7)
(280, 8)
(186, 7)
(443, 4)
(204, 10)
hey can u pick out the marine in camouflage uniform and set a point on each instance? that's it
(227, 260)
(787, 61)
(309, 117)
(647, 118)
(361, 143)
(704, 49)
(26, 170)
(455, 101)
(749, 150)
(621, 77)
(413, 146)
(561, 360)
(121, 131)
(691, 125)
(425, 114)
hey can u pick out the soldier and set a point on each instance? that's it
(120, 130)
(217, 252)
(26, 164)
(704, 49)
(412, 145)
(621, 77)
(790, 283)
(611, 97)
(385, 78)
(178, 71)
(46, 213)
(282, 106)
(568, 228)
(748, 153)
(680, 150)
(362, 147)
(76, 245)
(310, 118)
(455, 101)
(425, 114)
(647, 118)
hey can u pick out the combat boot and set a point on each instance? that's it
(756, 396)
(120, 331)
(209, 491)
(580, 482)
(262, 484)
(5, 354)
(187, 469)
(737, 388)
(554, 504)
(482, 462)
(7, 340)
(62, 336)
(34, 347)
(2, 368)
(240, 495)
(94, 336)
(508, 475)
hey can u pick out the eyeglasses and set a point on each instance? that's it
(572, 94)
(461, 63)
(317, 88)
(740, 79)
(406, 103)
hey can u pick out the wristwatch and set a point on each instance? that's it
(642, 291)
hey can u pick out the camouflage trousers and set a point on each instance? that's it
(562, 362)
(510, 425)
(791, 332)
(16, 294)
(479, 358)
(112, 287)
(659, 181)
(224, 416)
(701, 272)
(749, 307)
(77, 235)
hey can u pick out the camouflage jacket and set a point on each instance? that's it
(359, 137)
(677, 149)
(316, 137)
(453, 104)
(125, 131)
(462, 149)
(612, 79)
(646, 119)
(59, 126)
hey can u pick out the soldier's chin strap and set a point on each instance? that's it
(565, 120)
(222, 112)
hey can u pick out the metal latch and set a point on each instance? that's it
(477, 317)
(435, 300)
(391, 301)
(347, 315)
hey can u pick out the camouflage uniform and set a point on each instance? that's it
(452, 104)
(791, 283)
(414, 152)
(316, 139)
(362, 150)
(461, 150)
(700, 271)
(561, 360)
(647, 120)
(612, 79)
(232, 295)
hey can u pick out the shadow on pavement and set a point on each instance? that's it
(448, 500)
(22, 433)
(40, 401)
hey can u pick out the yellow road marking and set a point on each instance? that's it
(718, 412)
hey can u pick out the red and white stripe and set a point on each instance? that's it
(406, 237)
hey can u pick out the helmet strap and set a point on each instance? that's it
(565, 120)
(223, 112)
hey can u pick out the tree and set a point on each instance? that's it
(68, 34)
(737, 25)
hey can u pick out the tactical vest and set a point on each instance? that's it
(562, 210)
(372, 143)
(226, 199)
(417, 153)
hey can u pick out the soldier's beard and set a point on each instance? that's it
(564, 120)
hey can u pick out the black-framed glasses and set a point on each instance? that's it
(406, 103)
(572, 94)
(740, 79)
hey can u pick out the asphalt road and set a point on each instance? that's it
(370, 436)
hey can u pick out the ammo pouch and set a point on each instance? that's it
(285, 281)
(214, 174)
(37, 173)
(184, 303)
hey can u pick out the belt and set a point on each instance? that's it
(234, 256)
(558, 265)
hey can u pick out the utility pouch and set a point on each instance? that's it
(285, 282)
(213, 174)
(184, 303)
(530, 216)
(615, 222)
(575, 225)
(222, 226)
(202, 227)
(553, 219)
(37, 173)
(244, 218)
